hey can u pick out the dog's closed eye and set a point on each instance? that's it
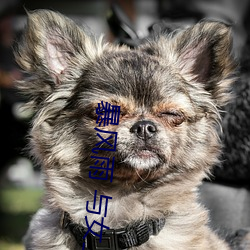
(172, 117)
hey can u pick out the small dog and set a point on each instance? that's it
(169, 90)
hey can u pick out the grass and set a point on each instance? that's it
(16, 208)
(10, 246)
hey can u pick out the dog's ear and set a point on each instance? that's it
(202, 54)
(54, 47)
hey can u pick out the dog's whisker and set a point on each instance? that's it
(144, 180)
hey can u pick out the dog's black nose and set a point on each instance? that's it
(144, 129)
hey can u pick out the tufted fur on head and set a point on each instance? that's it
(170, 90)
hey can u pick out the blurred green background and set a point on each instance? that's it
(17, 205)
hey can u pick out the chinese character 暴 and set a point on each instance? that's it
(105, 141)
(94, 233)
(107, 114)
(100, 204)
(101, 166)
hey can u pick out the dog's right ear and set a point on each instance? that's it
(54, 48)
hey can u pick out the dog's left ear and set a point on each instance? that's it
(204, 56)
(201, 54)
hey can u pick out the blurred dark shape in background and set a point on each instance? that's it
(13, 127)
(236, 123)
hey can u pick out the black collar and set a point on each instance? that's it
(134, 234)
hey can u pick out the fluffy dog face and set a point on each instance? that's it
(169, 90)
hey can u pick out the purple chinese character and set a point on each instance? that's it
(94, 233)
(103, 141)
(101, 166)
(100, 204)
(107, 114)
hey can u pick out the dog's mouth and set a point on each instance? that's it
(143, 158)
(140, 165)
(145, 154)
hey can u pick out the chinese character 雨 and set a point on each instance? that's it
(101, 167)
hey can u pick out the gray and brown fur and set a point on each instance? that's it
(178, 82)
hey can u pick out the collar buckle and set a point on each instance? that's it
(109, 240)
